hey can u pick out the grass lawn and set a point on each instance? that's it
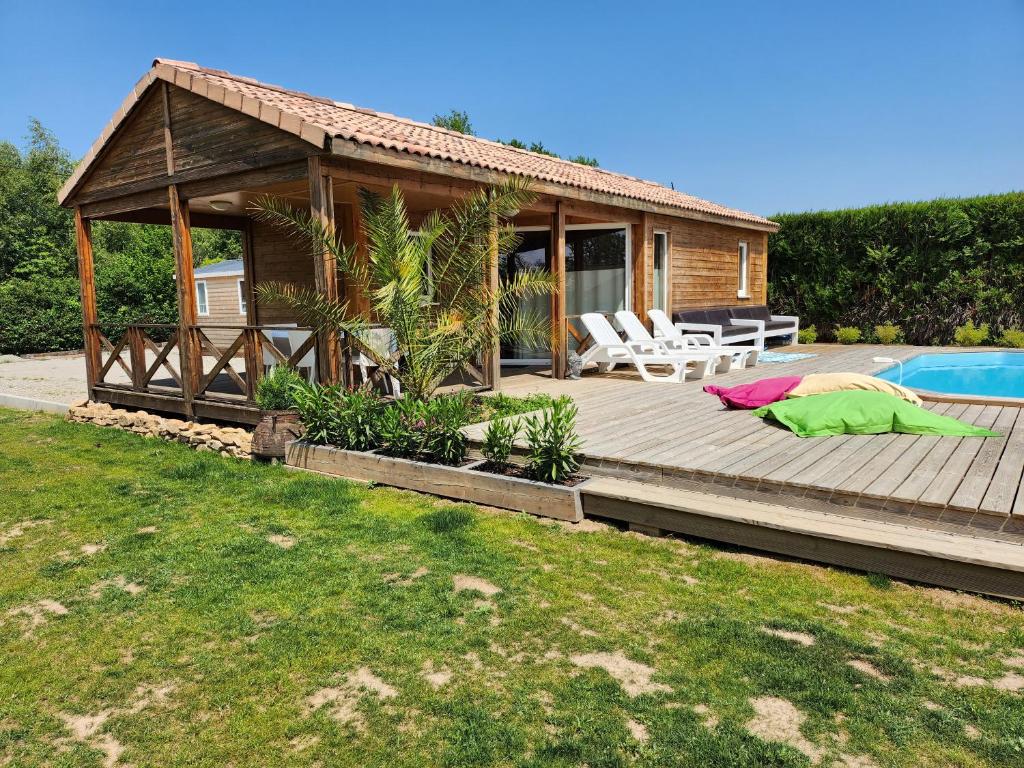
(164, 607)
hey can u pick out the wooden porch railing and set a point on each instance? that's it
(219, 371)
(251, 344)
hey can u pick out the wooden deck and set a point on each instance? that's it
(676, 435)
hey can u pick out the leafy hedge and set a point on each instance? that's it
(927, 267)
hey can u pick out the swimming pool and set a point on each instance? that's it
(989, 374)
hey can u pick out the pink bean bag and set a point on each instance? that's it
(755, 394)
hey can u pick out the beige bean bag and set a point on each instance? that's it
(820, 383)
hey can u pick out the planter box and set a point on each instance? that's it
(461, 483)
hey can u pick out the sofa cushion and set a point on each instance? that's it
(690, 316)
(778, 325)
(756, 312)
(719, 316)
(737, 330)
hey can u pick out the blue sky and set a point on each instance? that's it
(760, 105)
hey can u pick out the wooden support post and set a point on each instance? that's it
(492, 356)
(137, 356)
(252, 313)
(188, 343)
(325, 271)
(642, 267)
(253, 351)
(559, 342)
(87, 282)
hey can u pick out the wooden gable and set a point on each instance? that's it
(207, 140)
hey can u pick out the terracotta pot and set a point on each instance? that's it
(275, 428)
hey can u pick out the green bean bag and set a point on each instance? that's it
(862, 412)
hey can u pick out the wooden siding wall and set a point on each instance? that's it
(278, 257)
(207, 139)
(207, 134)
(222, 301)
(136, 154)
(704, 263)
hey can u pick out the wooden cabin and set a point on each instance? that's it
(221, 299)
(192, 146)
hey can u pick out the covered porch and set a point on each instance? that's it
(210, 369)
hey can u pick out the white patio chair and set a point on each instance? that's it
(635, 331)
(666, 330)
(381, 340)
(610, 350)
(307, 365)
(279, 338)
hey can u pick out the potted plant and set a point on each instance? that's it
(279, 421)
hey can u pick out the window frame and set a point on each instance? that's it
(205, 302)
(743, 268)
(243, 308)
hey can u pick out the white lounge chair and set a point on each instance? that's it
(666, 330)
(610, 350)
(635, 331)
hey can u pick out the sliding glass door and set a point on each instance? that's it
(533, 253)
(597, 277)
(596, 270)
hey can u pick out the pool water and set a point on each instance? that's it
(990, 374)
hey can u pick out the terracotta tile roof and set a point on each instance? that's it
(314, 119)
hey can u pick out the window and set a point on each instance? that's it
(243, 306)
(661, 291)
(201, 304)
(743, 291)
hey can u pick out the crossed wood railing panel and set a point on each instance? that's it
(136, 340)
(255, 347)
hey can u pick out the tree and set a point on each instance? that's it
(39, 304)
(442, 315)
(540, 149)
(455, 121)
(36, 235)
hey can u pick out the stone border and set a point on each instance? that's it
(461, 483)
(227, 441)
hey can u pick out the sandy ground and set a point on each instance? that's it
(60, 378)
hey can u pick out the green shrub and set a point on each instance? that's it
(925, 266)
(888, 333)
(431, 430)
(319, 408)
(40, 315)
(357, 426)
(499, 440)
(847, 335)
(808, 335)
(445, 442)
(552, 442)
(970, 335)
(276, 390)
(1012, 337)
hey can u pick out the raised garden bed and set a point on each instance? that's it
(465, 483)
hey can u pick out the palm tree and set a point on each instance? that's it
(427, 286)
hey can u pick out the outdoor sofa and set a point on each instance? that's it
(735, 325)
